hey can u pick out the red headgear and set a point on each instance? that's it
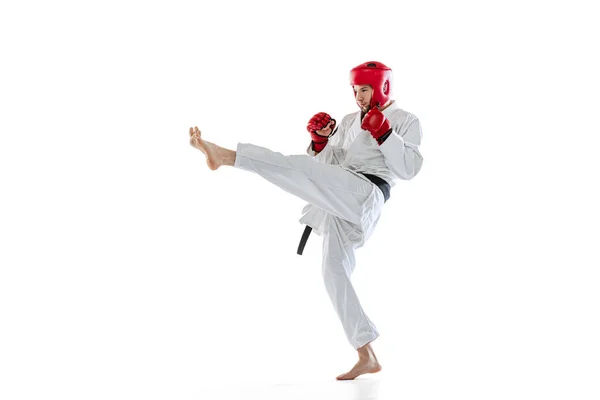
(378, 76)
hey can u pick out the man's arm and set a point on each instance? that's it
(331, 153)
(401, 148)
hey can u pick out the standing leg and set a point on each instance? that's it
(338, 265)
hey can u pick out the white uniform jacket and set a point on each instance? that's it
(354, 149)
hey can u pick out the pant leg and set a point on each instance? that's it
(338, 265)
(329, 187)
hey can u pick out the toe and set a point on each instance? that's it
(344, 377)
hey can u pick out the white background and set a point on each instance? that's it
(129, 270)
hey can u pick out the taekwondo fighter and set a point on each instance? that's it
(346, 177)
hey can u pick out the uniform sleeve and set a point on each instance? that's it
(401, 149)
(330, 154)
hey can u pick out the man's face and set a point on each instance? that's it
(362, 94)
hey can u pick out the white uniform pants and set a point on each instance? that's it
(347, 198)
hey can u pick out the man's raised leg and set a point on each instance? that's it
(216, 156)
(329, 187)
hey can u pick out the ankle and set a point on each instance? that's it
(229, 157)
(367, 355)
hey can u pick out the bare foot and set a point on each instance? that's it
(215, 156)
(367, 364)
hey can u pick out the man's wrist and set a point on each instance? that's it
(318, 146)
(383, 137)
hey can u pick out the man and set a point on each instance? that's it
(346, 178)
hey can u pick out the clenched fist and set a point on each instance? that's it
(377, 124)
(321, 127)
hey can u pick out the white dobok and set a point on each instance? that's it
(344, 206)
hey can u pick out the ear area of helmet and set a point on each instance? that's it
(386, 87)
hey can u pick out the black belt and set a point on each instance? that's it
(380, 183)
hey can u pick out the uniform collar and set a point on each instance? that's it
(391, 108)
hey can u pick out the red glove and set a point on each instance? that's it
(316, 123)
(376, 123)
